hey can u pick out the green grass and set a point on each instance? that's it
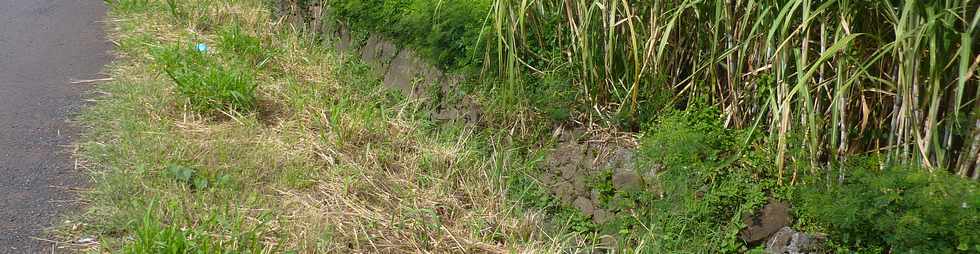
(248, 47)
(207, 83)
(151, 236)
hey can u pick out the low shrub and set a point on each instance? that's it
(205, 82)
(697, 198)
(900, 209)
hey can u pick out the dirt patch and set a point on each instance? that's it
(270, 112)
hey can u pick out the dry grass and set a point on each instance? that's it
(337, 167)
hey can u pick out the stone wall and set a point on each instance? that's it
(400, 68)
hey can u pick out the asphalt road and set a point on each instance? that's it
(44, 44)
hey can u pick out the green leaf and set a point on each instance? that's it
(181, 173)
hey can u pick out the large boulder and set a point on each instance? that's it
(759, 226)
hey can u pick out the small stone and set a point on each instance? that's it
(565, 191)
(609, 242)
(787, 240)
(585, 205)
(568, 172)
(651, 174)
(548, 178)
(85, 240)
(626, 180)
(596, 196)
(601, 216)
(581, 185)
(778, 242)
(553, 162)
(585, 164)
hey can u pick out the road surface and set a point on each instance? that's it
(44, 44)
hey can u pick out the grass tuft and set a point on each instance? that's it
(206, 83)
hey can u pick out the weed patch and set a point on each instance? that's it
(898, 209)
(699, 195)
(205, 83)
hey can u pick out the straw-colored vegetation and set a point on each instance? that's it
(327, 161)
(865, 115)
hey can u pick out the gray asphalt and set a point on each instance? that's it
(44, 44)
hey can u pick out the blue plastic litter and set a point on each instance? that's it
(202, 48)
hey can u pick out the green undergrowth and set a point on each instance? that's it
(710, 176)
(447, 32)
(705, 183)
(769, 65)
(324, 159)
(900, 209)
(152, 236)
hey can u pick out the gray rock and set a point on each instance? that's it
(789, 241)
(447, 114)
(778, 242)
(565, 191)
(585, 205)
(343, 38)
(608, 242)
(411, 75)
(581, 186)
(625, 176)
(651, 174)
(626, 180)
(595, 196)
(601, 216)
(568, 171)
(774, 216)
(401, 73)
(377, 52)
